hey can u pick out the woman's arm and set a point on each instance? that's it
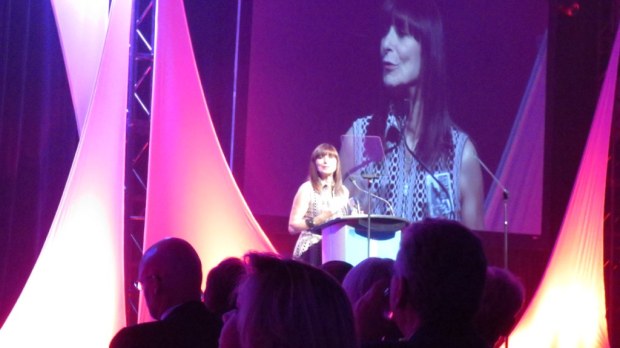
(471, 188)
(301, 202)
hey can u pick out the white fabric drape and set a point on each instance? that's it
(75, 294)
(191, 193)
(568, 309)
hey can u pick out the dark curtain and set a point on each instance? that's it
(38, 138)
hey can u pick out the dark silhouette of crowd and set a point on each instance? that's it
(170, 279)
(438, 292)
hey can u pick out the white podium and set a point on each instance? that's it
(346, 238)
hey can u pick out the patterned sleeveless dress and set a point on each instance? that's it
(320, 201)
(403, 181)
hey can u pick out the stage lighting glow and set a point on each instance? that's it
(568, 309)
(75, 294)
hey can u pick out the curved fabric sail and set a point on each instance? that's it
(75, 294)
(82, 26)
(191, 193)
(568, 309)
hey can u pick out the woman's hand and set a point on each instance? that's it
(323, 217)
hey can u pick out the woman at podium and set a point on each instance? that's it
(321, 198)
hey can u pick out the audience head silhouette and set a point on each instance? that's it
(337, 269)
(170, 274)
(503, 298)
(222, 281)
(365, 286)
(438, 282)
(366, 273)
(285, 303)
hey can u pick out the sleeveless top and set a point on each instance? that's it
(320, 201)
(403, 181)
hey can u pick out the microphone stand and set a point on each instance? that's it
(368, 177)
(389, 205)
(369, 195)
(505, 203)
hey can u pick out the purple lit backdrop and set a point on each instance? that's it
(315, 67)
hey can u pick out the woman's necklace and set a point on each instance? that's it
(408, 170)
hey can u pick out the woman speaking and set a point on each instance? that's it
(321, 198)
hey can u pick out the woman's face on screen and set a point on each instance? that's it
(401, 57)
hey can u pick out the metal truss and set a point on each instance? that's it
(137, 149)
(610, 16)
(612, 228)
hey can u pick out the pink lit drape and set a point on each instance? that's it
(82, 26)
(568, 309)
(191, 192)
(75, 294)
(521, 168)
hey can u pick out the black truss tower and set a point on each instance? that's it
(137, 147)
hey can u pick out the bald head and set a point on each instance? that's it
(171, 274)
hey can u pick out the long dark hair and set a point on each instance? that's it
(422, 20)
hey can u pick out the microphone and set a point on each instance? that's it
(387, 203)
(505, 199)
(393, 136)
(367, 176)
(495, 179)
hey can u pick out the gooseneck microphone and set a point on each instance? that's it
(495, 179)
(505, 195)
(387, 203)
